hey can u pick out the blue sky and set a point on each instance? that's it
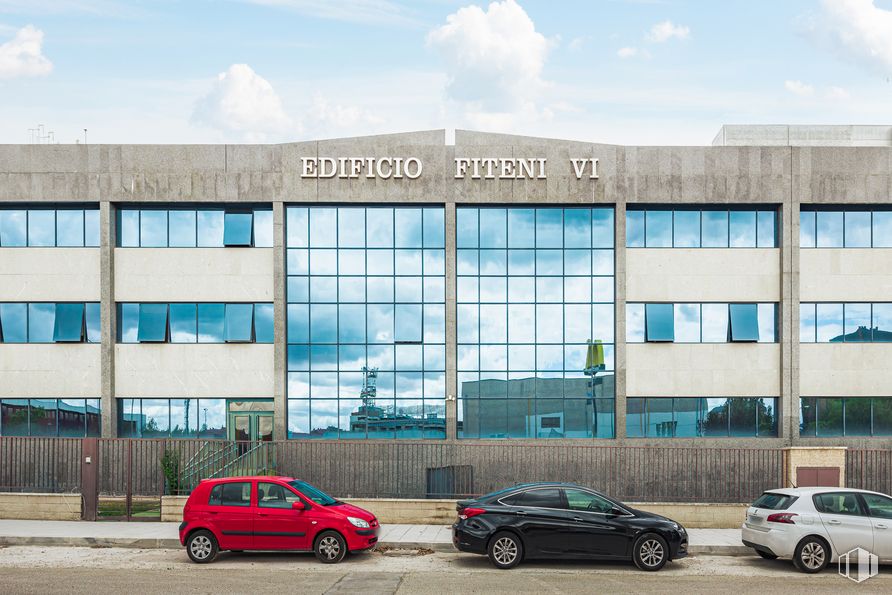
(631, 72)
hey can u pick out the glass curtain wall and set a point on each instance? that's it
(72, 418)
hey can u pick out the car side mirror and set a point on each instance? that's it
(298, 505)
(616, 512)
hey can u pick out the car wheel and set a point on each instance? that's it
(330, 547)
(766, 555)
(650, 552)
(202, 547)
(812, 555)
(505, 550)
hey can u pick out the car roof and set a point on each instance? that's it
(248, 478)
(818, 490)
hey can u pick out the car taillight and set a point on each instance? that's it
(470, 512)
(782, 517)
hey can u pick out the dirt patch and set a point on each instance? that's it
(394, 552)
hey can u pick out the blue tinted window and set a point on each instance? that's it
(152, 323)
(806, 323)
(829, 229)
(714, 417)
(714, 323)
(687, 323)
(658, 229)
(14, 323)
(94, 334)
(602, 228)
(466, 228)
(69, 323)
(296, 227)
(767, 323)
(13, 228)
(91, 227)
(686, 232)
(857, 229)
(829, 322)
(493, 228)
(686, 417)
(659, 321)
(238, 323)
(634, 323)
(210, 323)
(742, 229)
(238, 229)
(263, 323)
(70, 227)
(807, 229)
(182, 229)
(128, 323)
(715, 229)
(635, 229)
(881, 322)
(128, 228)
(263, 228)
(41, 322)
(153, 229)
(882, 229)
(183, 323)
(42, 228)
(767, 232)
(857, 323)
(744, 322)
(434, 228)
(210, 229)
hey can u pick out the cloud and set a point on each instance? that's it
(632, 52)
(22, 56)
(243, 103)
(666, 30)
(799, 88)
(326, 118)
(493, 58)
(838, 94)
(382, 12)
(577, 43)
(858, 30)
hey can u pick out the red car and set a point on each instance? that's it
(272, 513)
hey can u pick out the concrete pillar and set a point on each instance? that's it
(789, 329)
(451, 328)
(280, 342)
(108, 317)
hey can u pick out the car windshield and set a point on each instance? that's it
(772, 501)
(313, 493)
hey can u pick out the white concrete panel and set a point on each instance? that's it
(50, 370)
(845, 369)
(194, 274)
(703, 370)
(49, 274)
(703, 274)
(845, 274)
(170, 370)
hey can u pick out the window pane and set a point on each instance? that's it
(263, 228)
(658, 229)
(41, 322)
(687, 323)
(434, 228)
(379, 228)
(830, 229)
(13, 228)
(42, 228)
(659, 320)
(714, 326)
(829, 323)
(210, 229)
(91, 227)
(238, 323)
(577, 228)
(882, 323)
(882, 417)
(14, 323)
(635, 229)
(549, 228)
(493, 228)
(128, 228)
(156, 416)
(743, 416)
(184, 418)
(634, 323)
(466, 228)
(882, 229)
(153, 229)
(14, 417)
(296, 227)
(857, 323)
(210, 323)
(767, 323)
(807, 229)
(636, 420)
(715, 229)
(407, 228)
(766, 417)
(687, 229)
(767, 234)
(72, 418)
(744, 322)
(183, 323)
(69, 325)
(686, 413)
(829, 417)
(857, 232)
(128, 322)
(742, 229)
(152, 323)
(182, 230)
(238, 229)
(660, 422)
(69, 227)
(263, 323)
(714, 413)
(94, 334)
(857, 417)
(806, 323)
(43, 417)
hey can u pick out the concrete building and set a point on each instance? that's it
(395, 287)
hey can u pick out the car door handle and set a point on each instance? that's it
(881, 526)
(576, 518)
(262, 514)
(521, 513)
(833, 522)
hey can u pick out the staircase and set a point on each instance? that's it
(228, 459)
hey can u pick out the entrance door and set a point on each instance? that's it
(250, 420)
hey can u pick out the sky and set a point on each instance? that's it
(649, 72)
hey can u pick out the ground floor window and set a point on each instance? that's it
(845, 416)
(172, 418)
(701, 417)
(74, 418)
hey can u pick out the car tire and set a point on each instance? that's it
(766, 555)
(812, 555)
(330, 547)
(202, 547)
(505, 550)
(650, 552)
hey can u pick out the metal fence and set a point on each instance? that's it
(151, 467)
(869, 469)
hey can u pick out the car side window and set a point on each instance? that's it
(587, 501)
(273, 495)
(838, 503)
(543, 498)
(878, 506)
(231, 494)
(216, 495)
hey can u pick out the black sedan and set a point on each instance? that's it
(559, 520)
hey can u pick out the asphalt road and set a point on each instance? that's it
(143, 572)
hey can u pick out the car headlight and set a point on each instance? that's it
(358, 522)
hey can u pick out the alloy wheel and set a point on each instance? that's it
(200, 546)
(651, 552)
(329, 547)
(504, 550)
(812, 555)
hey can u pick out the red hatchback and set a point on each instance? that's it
(272, 513)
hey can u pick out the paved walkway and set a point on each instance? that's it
(164, 535)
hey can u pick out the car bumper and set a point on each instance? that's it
(469, 539)
(679, 549)
(183, 526)
(359, 540)
(779, 541)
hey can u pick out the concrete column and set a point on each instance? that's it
(451, 327)
(789, 430)
(280, 343)
(619, 350)
(108, 317)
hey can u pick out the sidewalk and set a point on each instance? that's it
(164, 535)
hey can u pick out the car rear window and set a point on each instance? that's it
(773, 501)
(230, 494)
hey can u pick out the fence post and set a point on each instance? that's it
(89, 478)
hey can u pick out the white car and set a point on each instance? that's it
(814, 526)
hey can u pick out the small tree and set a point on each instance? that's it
(170, 465)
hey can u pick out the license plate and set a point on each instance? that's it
(755, 519)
